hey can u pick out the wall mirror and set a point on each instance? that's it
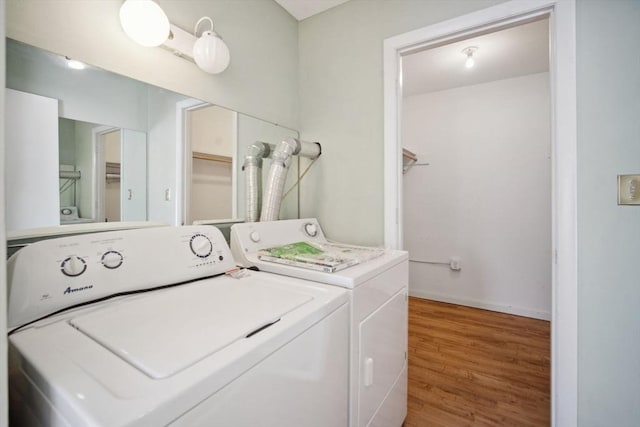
(88, 145)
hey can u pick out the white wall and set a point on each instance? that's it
(32, 170)
(212, 130)
(262, 37)
(608, 234)
(484, 197)
(210, 190)
(161, 154)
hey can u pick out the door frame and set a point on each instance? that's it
(99, 171)
(562, 55)
(183, 160)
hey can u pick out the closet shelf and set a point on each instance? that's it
(211, 157)
(112, 171)
(409, 160)
(409, 155)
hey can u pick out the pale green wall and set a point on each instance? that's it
(261, 79)
(608, 33)
(341, 105)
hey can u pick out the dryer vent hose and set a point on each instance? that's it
(280, 162)
(253, 169)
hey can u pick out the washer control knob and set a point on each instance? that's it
(200, 245)
(73, 266)
(311, 229)
(112, 259)
(254, 236)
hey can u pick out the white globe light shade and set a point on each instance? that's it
(144, 22)
(211, 53)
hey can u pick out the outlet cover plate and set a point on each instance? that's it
(629, 189)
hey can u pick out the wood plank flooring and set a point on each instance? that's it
(472, 367)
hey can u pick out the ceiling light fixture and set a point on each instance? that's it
(145, 22)
(469, 51)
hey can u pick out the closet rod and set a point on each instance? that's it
(69, 174)
(211, 157)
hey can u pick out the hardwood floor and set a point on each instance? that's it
(472, 367)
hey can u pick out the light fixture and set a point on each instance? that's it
(210, 52)
(145, 22)
(75, 64)
(469, 51)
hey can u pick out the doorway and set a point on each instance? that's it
(119, 174)
(477, 201)
(563, 127)
(112, 189)
(209, 145)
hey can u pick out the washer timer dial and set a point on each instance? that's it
(112, 259)
(200, 245)
(73, 266)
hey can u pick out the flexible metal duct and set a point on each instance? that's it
(253, 171)
(280, 161)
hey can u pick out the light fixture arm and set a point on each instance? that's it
(200, 21)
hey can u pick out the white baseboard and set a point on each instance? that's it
(509, 309)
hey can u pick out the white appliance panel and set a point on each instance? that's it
(161, 334)
(313, 368)
(383, 338)
(248, 238)
(378, 291)
(108, 263)
(61, 374)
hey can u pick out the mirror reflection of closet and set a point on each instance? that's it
(110, 142)
(211, 142)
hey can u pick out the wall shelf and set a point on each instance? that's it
(409, 160)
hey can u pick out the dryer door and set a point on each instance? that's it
(383, 341)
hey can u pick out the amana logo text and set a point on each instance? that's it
(71, 290)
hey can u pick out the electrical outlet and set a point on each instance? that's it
(454, 263)
(629, 189)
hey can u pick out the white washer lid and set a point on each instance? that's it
(165, 332)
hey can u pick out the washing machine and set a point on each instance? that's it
(157, 327)
(377, 283)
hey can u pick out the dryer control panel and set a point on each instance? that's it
(248, 238)
(51, 275)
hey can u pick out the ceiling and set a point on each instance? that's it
(302, 9)
(511, 52)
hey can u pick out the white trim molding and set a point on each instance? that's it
(564, 324)
(491, 306)
(183, 159)
(98, 176)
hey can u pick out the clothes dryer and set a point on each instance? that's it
(377, 284)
